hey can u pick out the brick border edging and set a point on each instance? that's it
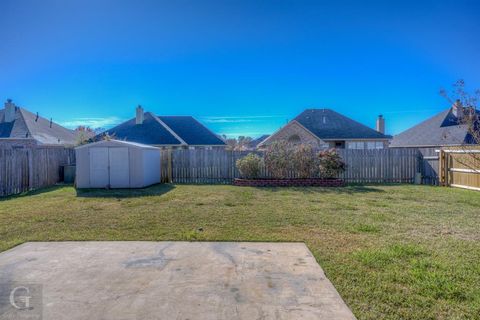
(312, 182)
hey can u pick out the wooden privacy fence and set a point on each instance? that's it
(28, 169)
(460, 167)
(218, 165)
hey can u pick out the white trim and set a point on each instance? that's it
(464, 170)
(465, 187)
(119, 142)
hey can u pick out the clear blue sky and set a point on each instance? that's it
(241, 67)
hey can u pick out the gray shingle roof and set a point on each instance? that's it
(165, 130)
(255, 142)
(191, 131)
(26, 125)
(328, 124)
(443, 129)
(151, 131)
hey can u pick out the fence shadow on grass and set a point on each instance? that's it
(35, 192)
(156, 190)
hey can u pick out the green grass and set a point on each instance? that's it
(393, 252)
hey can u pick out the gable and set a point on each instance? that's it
(293, 131)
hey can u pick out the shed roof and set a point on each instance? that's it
(113, 142)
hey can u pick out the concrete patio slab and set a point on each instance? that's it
(167, 280)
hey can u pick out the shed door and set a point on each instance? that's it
(119, 168)
(99, 167)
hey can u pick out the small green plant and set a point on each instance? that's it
(249, 166)
(330, 164)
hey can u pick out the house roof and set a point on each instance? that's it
(327, 124)
(165, 130)
(255, 142)
(191, 131)
(151, 131)
(440, 130)
(27, 125)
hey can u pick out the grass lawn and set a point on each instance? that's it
(393, 252)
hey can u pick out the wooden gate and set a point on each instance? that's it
(460, 167)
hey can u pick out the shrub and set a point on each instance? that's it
(249, 166)
(303, 161)
(278, 159)
(330, 164)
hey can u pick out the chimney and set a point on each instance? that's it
(10, 111)
(381, 124)
(139, 115)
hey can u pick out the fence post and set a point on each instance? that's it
(30, 169)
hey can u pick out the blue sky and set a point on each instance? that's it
(241, 67)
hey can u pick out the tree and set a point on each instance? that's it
(239, 144)
(465, 107)
(84, 134)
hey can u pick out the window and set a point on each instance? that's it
(374, 145)
(295, 139)
(356, 145)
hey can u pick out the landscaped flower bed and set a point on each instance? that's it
(309, 182)
(283, 161)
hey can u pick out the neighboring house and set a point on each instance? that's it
(448, 128)
(165, 132)
(20, 128)
(325, 128)
(255, 142)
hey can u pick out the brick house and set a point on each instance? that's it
(325, 128)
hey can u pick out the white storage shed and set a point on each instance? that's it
(117, 164)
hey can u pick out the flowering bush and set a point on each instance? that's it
(330, 164)
(249, 166)
(303, 161)
(278, 159)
